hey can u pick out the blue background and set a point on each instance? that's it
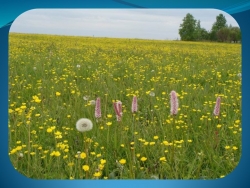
(9, 10)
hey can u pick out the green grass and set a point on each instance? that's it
(43, 140)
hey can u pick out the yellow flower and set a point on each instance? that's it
(237, 121)
(152, 143)
(11, 111)
(156, 137)
(100, 166)
(13, 151)
(83, 155)
(85, 168)
(19, 148)
(49, 130)
(97, 174)
(219, 126)
(71, 164)
(122, 161)
(99, 155)
(163, 159)
(227, 147)
(102, 161)
(109, 123)
(58, 93)
(234, 148)
(57, 153)
(66, 150)
(109, 115)
(143, 159)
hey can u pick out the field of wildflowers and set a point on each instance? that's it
(101, 108)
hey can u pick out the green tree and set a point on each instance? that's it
(204, 34)
(234, 34)
(187, 30)
(223, 34)
(198, 31)
(220, 23)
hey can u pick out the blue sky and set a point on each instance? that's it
(119, 23)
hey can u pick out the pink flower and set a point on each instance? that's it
(217, 107)
(118, 110)
(98, 113)
(174, 103)
(134, 104)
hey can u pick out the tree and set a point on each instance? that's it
(234, 34)
(187, 29)
(204, 34)
(220, 23)
(223, 34)
(198, 31)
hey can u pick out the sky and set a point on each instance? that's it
(158, 24)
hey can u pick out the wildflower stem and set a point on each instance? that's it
(173, 139)
(28, 150)
(107, 153)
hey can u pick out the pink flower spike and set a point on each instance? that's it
(118, 110)
(217, 107)
(174, 103)
(98, 113)
(134, 104)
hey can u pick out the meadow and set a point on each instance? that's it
(55, 80)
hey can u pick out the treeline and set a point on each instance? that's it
(191, 30)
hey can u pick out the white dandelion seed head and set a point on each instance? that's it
(78, 66)
(84, 124)
(86, 97)
(152, 94)
(239, 75)
(20, 154)
(92, 102)
(34, 68)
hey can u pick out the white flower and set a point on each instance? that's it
(84, 124)
(86, 97)
(152, 94)
(239, 75)
(92, 102)
(78, 66)
(34, 68)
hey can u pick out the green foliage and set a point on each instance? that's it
(220, 23)
(188, 28)
(191, 30)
